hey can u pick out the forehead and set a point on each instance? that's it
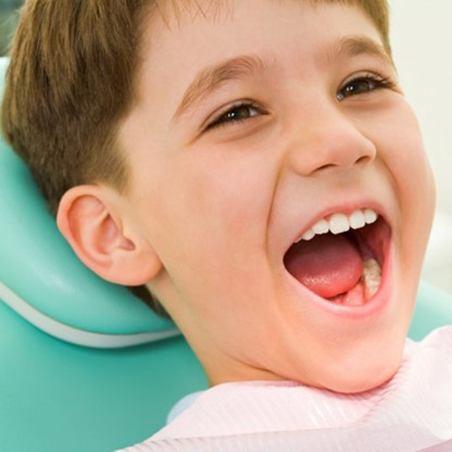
(175, 11)
(186, 36)
(200, 20)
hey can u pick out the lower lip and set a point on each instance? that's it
(370, 309)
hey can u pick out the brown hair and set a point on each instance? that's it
(71, 81)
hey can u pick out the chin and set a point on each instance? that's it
(362, 378)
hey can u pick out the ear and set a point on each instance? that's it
(90, 220)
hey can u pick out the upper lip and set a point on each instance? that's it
(347, 208)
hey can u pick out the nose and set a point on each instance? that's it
(330, 143)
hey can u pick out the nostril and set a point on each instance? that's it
(329, 165)
(362, 160)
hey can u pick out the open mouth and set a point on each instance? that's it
(342, 268)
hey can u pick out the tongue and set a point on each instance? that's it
(328, 265)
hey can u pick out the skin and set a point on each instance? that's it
(209, 214)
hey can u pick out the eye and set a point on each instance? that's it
(362, 85)
(237, 113)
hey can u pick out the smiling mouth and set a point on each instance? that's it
(342, 268)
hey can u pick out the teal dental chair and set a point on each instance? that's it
(84, 365)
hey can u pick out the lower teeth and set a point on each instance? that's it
(370, 282)
(371, 277)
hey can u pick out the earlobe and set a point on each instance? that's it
(91, 222)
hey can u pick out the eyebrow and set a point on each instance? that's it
(359, 45)
(213, 77)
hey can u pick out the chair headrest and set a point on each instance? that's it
(42, 279)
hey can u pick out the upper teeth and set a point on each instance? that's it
(339, 222)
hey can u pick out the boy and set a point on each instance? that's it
(255, 166)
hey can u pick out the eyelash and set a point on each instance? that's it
(378, 82)
(223, 120)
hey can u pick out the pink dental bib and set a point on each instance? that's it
(413, 411)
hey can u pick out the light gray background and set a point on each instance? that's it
(421, 33)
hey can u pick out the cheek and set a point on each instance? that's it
(404, 157)
(231, 195)
(217, 224)
(401, 152)
(210, 215)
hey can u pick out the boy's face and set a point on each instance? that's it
(221, 205)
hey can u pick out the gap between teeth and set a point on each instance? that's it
(339, 222)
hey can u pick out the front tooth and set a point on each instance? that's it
(339, 223)
(370, 216)
(321, 227)
(357, 219)
(308, 235)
